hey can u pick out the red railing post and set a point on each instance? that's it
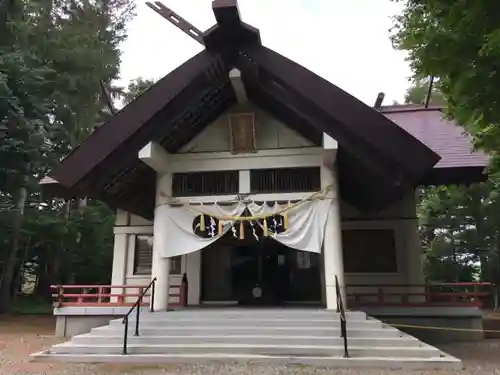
(80, 297)
(141, 290)
(121, 297)
(60, 297)
(100, 292)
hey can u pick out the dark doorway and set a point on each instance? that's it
(262, 272)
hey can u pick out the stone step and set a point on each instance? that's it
(244, 314)
(88, 339)
(289, 350)
(402, 363)
(147, 317)
(330, 331)
(249, 323)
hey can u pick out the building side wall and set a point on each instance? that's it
(128, 227)
(401, 218)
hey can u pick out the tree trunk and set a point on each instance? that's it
(59, 255)
(11, 261)
(479, 219)
(17, 283)
(42, 288)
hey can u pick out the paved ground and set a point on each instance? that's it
(20, 336)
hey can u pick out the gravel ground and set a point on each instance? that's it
(21, 336)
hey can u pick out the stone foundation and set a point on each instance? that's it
(72, 321)
(453, 318)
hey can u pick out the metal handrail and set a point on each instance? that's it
(343, 318)
(137, 305)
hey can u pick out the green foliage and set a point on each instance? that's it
(53, 56)
(460, 228)
(417, 93)
(136, 88)
(458, 42)
(86, 238)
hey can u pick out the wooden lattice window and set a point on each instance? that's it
(242, 132)
(285, 180)
(369, 251)
(143, 257)
(205, 183)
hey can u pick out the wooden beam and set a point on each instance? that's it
(226, 12)
(329, 143)
(177, 21)
(239, 88)
(155, 156)
(330, 147)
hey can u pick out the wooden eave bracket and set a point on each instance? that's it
(155, 156)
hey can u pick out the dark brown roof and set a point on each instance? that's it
(377, 159)
(445, 138)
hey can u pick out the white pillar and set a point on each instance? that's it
(413, 249)
(161, 265)
(119, 264)
(332, 246)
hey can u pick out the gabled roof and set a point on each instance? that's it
(377, 159)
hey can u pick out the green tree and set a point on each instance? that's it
(135, 88)
(460, 227)
(417, 93)
(459, 43)
(52, 59)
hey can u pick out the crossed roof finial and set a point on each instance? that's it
(228, 29)
(177, 20)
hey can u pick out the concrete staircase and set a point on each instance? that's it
(304, 336)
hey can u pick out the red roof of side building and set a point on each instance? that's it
(444, 137)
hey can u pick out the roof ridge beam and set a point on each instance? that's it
(226, 12)
(238, 86)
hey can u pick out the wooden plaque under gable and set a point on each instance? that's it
(242, 132)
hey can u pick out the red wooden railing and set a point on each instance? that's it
(438, 294)
(442, 294)
(113, 295)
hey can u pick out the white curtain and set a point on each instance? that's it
(306, 223)
(173, 226)
(179, 237)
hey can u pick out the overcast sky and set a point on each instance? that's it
(344, 41)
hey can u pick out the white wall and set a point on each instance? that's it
(269, 134)
(128, 226)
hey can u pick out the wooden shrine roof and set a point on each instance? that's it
(377, 158)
